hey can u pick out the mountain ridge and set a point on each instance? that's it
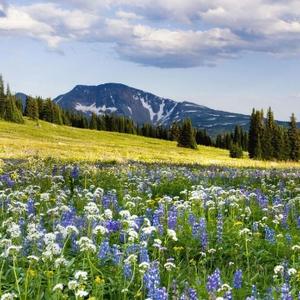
(145, 107)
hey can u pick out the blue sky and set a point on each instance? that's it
(218, 53)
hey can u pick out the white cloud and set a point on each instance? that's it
(169, 33)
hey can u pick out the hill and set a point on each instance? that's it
(73, 144)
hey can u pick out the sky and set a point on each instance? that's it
(231, 55)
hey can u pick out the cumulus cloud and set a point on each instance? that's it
(167, 34)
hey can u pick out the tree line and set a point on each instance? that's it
(264, 140)
(269, 141)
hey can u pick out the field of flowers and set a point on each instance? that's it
(137, 231)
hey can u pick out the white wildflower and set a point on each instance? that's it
(292, 271)
(169, 266)
(101, 229)
(86, 244)
(172, 234)
(92, 211)
(278, 269)
(58, 287)
(80, 275)
(81, 293)
(14, 230)
(73, 284)
(108, 214)
(8, 296)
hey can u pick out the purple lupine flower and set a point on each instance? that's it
(104, 249)
(106, 201)
(203, 234)
(156, 220)
(228, 295)
(285, 292)
(116, 254)
(298, 222)
(262, 200)
(152, 279)
(192, 294)
(192, 219)
(112, 225)
(30, 207)
(270, 235)
(132, 249)
(286, 275)
(160, 294)
(172, 218)
(214, 281)
(284, 221)
(75, 172)
(255, 226)
(144, 256)
(195, 230)
(219, 228)
(127, 270)
(238, 279)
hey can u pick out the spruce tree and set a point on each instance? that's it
(255, 135)
(267, 138)
(2, 98)
(32, 109)
(186, 137)
(294, 140)
(56, 114)
(12, 113)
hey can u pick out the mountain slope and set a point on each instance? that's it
(145, 107)
(21, 141)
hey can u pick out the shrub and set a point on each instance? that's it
(236, 151)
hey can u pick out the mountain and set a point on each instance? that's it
(145, 107)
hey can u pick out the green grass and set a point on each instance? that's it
(72, 144)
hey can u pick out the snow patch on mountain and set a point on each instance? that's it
(94, 109)
(147, 106)
(160, 113)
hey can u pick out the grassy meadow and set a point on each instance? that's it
(63, 143)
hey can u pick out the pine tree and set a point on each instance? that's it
(32, 109)
(2, 98)
(47, 111)
(186, 137)
(294, 140)
(255, 134)
(268, 134)
(56, 114)
(174, 131)
(12, 113)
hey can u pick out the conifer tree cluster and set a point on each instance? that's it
(269, 141)
(10, 109)
(186, 137)
(237, 138)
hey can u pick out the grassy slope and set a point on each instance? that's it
(66, 143)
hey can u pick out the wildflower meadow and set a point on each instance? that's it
(148, 231)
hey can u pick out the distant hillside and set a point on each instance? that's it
(73, 144)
